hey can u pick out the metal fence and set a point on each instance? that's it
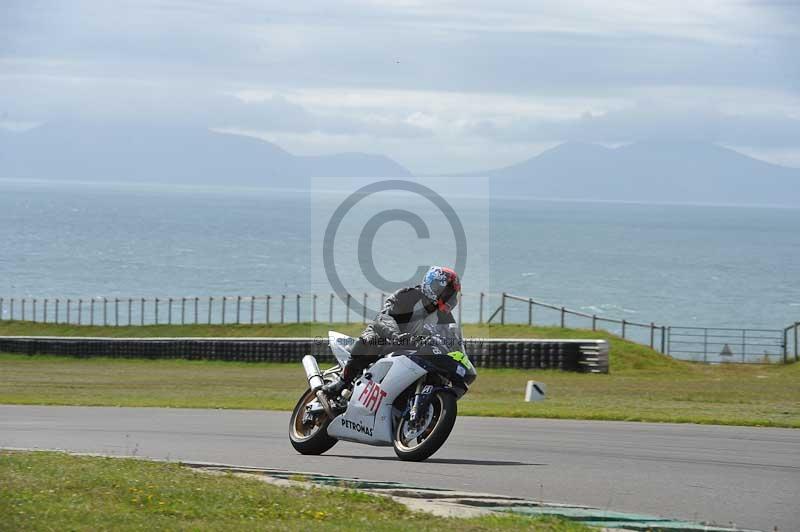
(715, 344)
(698, 344)
(253, 309)
(123, 311)
(692, 343)
(517, 309)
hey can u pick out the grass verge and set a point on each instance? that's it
(55, 491)
(674, 392)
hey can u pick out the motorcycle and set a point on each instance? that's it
(406, 399)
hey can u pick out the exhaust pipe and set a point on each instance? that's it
(313, 373)
(315, 382)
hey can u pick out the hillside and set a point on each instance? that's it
(647, 171)
(143, 153)
(682, 172)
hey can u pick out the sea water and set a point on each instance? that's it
(671, 264)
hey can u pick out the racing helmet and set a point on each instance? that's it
(441, 287)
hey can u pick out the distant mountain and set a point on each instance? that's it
(681, 172)
(643, 171)
(131, 152)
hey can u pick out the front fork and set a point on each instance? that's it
(420, 401)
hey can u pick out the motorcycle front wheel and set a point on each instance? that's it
(416, 443)
(310, 436)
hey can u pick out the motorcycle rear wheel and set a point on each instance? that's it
(306, 438)
(442, 412)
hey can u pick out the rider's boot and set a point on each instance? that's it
(335, 388)
(361, 356)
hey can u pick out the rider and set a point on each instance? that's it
(401, 321)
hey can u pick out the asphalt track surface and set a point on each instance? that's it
(742, 475)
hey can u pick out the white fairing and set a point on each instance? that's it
(368, 418)
(340, 344)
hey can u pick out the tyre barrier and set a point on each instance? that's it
(585, 356)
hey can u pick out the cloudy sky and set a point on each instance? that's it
(438, 86)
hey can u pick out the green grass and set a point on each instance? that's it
(54, 491)
(664, 390)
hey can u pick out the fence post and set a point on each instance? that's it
(183, 311)
(785, 345)
(652, 334)
(266, 305)
(68, 305)
(196, 304)
(238, 309)
(44, 311)
(364, 310)
(141, 312)
(116, 311)
(224, 307)
(594, 322)
(105, 311)
(314, 308)
(330, 310)
(663, 339)
(130, 306)
(252, 309)
(705, 345)
(169, 311)
(796, 355)
(503, 309)
(563, 314)
(80, 310)
(210, 304)
(347, 309)
(1, 309)
(623, 328)
(530, 312)
(57, 302)
(669, 340)
(11, 310)
(91, 311)
(23, 309)
(298, 308)
(744, 344)
(480, 309)
(33, 307)
(283, 305)
(156, 311)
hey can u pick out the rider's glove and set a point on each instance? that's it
(402, 338)
(422, 340)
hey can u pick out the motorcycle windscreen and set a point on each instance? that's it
(340, 345)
